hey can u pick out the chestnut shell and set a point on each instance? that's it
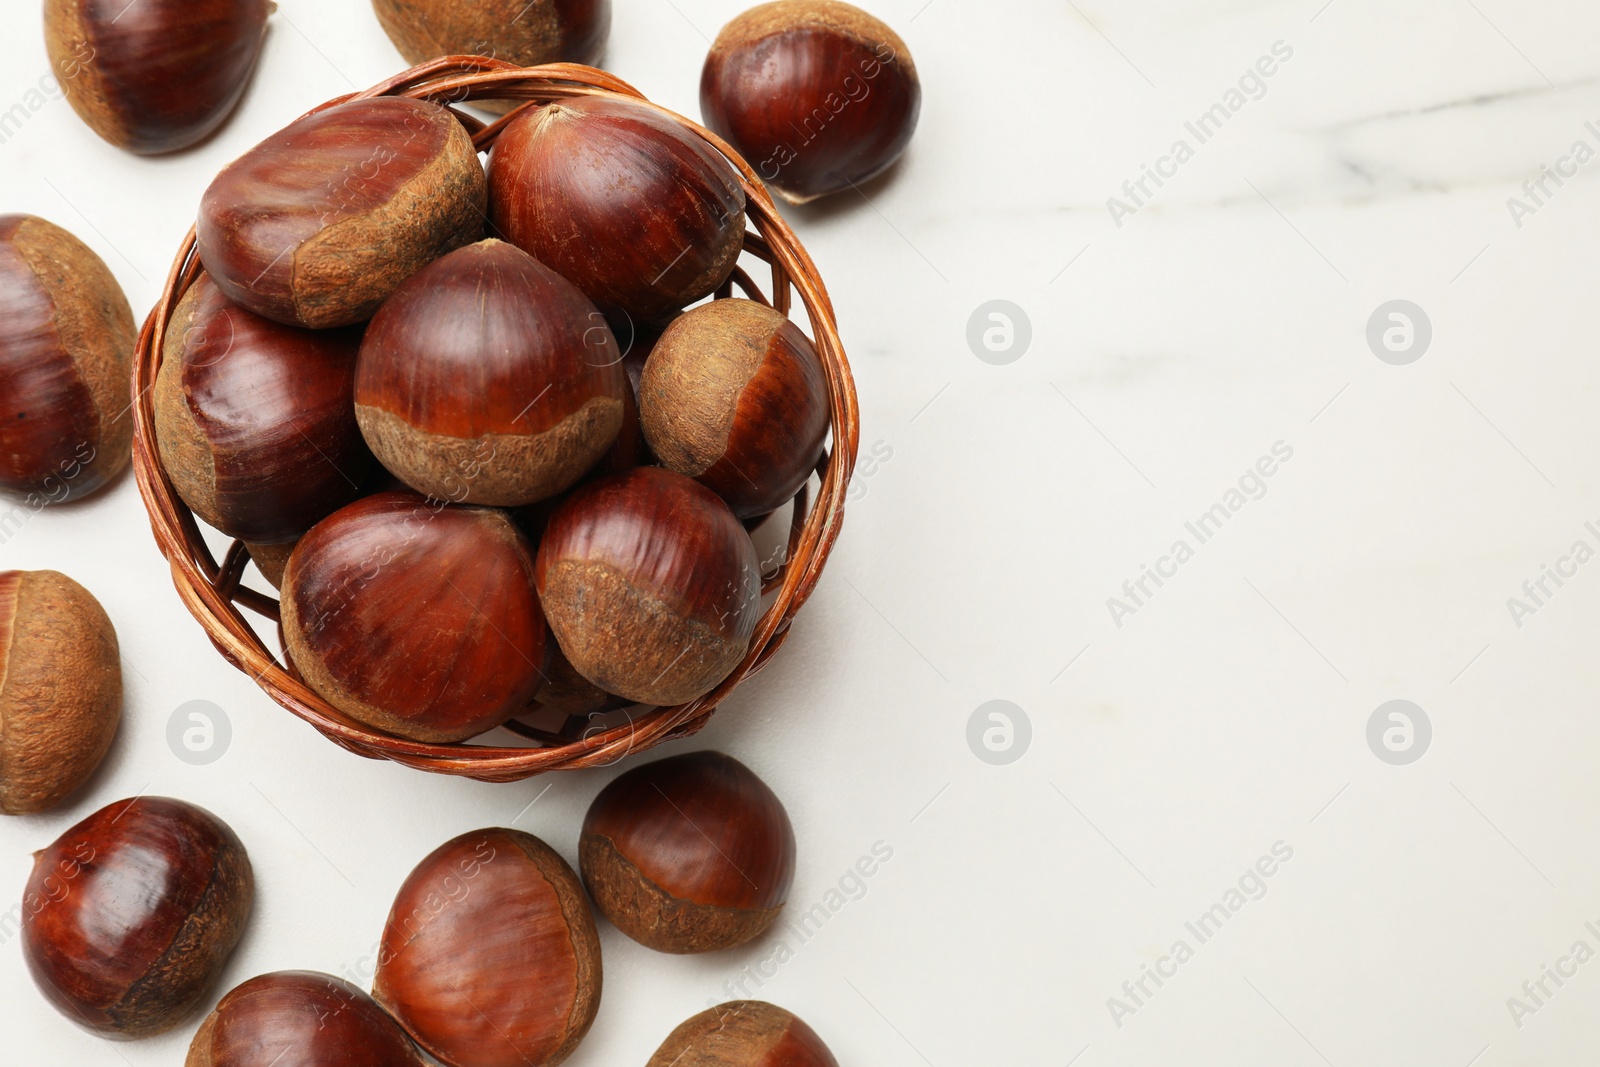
(620, 200)
(693, 853)
(317, 225)
(66, 346)
(817, 95)
(130, 915)
(157, 75)
(255, 419)
(300, 1019)
(487, 378)
(416, 617)
(490, 957)
(650, 585)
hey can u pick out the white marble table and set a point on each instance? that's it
(1197, 766)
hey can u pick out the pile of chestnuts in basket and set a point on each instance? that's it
(432, 440)
(499, 433)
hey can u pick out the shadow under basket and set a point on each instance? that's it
(215, 595)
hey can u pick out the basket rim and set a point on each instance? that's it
(212, 591)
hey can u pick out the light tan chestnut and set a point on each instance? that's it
(66, 343)
(734, 396)
(60, 688)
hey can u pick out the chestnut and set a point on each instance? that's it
(650, 585)
(60, 688)
(256, 421)
(688, 854)
(620, 200)
(157, 75)
(415, 617)
(300, 1019)
(490, 957)
(487, 378)
(130, 915)
(319, 223)
(518, 31)
(734, 396)
(66, 346)
(817, 95)
(746, 1033)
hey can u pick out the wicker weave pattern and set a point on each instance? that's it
(212, 590)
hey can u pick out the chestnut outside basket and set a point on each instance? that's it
(214, 594)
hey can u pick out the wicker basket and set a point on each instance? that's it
(213, 591)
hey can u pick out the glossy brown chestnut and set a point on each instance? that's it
(489, 379)
(490, 957)
(518, 31)
(743, 1033)
(318, 224)
(256, 420)
(60, 688)
(130, 915)
(688, 854)
(620, 200)
(650, 585)
(734, 396)
(66, 343)
(158, 75)
(416, 617)
(817, 95)
(300, 1019)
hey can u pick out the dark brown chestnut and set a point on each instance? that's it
(734, 396)
(688, 854)
(490, 362)
(620, 200)
(650, 585)
(317, 225)
(157, 75)
(300, 1019)
(416, 617)
(817, 95)
(255, 420)
(524, 32)
(60, 688)
(130, 915)
(66, 344)
(743, 1033)
(490, 957)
